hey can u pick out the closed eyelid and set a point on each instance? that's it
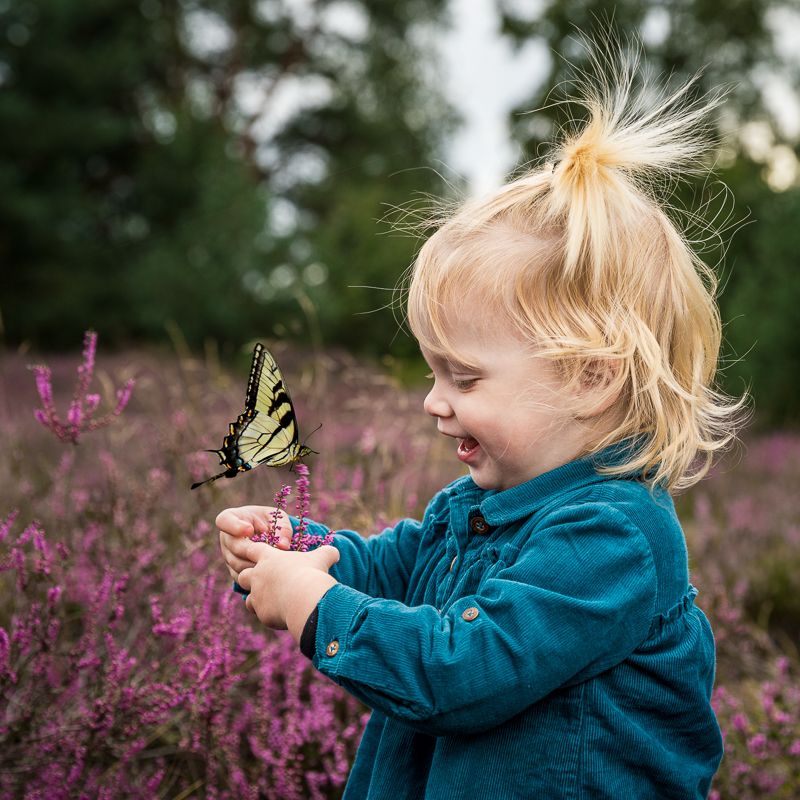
(456, 371)
(463, 373)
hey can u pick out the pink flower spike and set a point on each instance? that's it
(271, 536)
(756, 744)
(124, 396)
(5, 525)
(740, 722)
(45, 389)
(86, 369)
(79, 416)
(75, 414)
(303, 504)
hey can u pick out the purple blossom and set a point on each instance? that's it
(107, 694)
(301, 539)
(303, 504)
(102, 708)
(80, 415)
(270, 535)
(740, 722)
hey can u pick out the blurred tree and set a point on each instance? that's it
(735, 43)
(214, 163)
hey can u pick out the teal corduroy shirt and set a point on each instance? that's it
(538, 642)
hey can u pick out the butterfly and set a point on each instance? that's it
(266, 431)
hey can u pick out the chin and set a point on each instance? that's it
(484, 482)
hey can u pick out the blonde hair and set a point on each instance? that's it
(581, 256)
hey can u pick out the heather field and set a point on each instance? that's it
(129, 669)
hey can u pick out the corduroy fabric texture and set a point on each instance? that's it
(540, 642)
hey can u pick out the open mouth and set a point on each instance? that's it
(467, 448)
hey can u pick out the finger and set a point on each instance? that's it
(234, 522)
(245, 520)
(236, 565)
(324, 557)
(231, 559)
(244, 578)
(247, 550)
(248, 602)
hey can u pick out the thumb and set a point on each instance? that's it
(325, 557)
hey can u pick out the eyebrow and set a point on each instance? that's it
(460, 366)
(450, 362)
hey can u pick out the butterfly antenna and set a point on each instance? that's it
(310, 435)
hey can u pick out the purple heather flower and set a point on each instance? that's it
(756, 744)
(740, 722)
(271, 536)
(303, 504)
(80, 415)
(301, 540)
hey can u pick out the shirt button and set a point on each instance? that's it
(453, 563)
(478, 525)
(332, 649)
(469, 614)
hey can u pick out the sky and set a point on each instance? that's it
(484, 79)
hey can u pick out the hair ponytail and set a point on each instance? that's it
(582, 257)
(632, 138)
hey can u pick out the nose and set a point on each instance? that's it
(436, 405)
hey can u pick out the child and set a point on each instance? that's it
(535, 635)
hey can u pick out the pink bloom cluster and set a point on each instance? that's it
(301, 539)
(762, 737)
(80, 416)
(115, 683)
(127, 669)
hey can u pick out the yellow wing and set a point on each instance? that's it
(269, 433)
(266, 431)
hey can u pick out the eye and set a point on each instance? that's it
(464, 384)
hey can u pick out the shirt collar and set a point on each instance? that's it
(509, 505)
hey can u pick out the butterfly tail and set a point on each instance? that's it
(209, 480)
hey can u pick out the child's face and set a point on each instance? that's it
(507, 413)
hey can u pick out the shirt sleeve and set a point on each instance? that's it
(380, 565)
(578, 599)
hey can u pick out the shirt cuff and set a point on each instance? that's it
(308, 637)
(338, 609)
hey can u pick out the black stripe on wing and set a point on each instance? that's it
(272, 393)
(266, 431)
(254, 381)
(271, 440)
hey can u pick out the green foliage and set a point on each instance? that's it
(223, 167)
(206, 164)
(761, 305)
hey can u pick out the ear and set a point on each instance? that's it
(600, 385)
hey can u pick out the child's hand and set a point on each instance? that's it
(235, 523)
(284, 587)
